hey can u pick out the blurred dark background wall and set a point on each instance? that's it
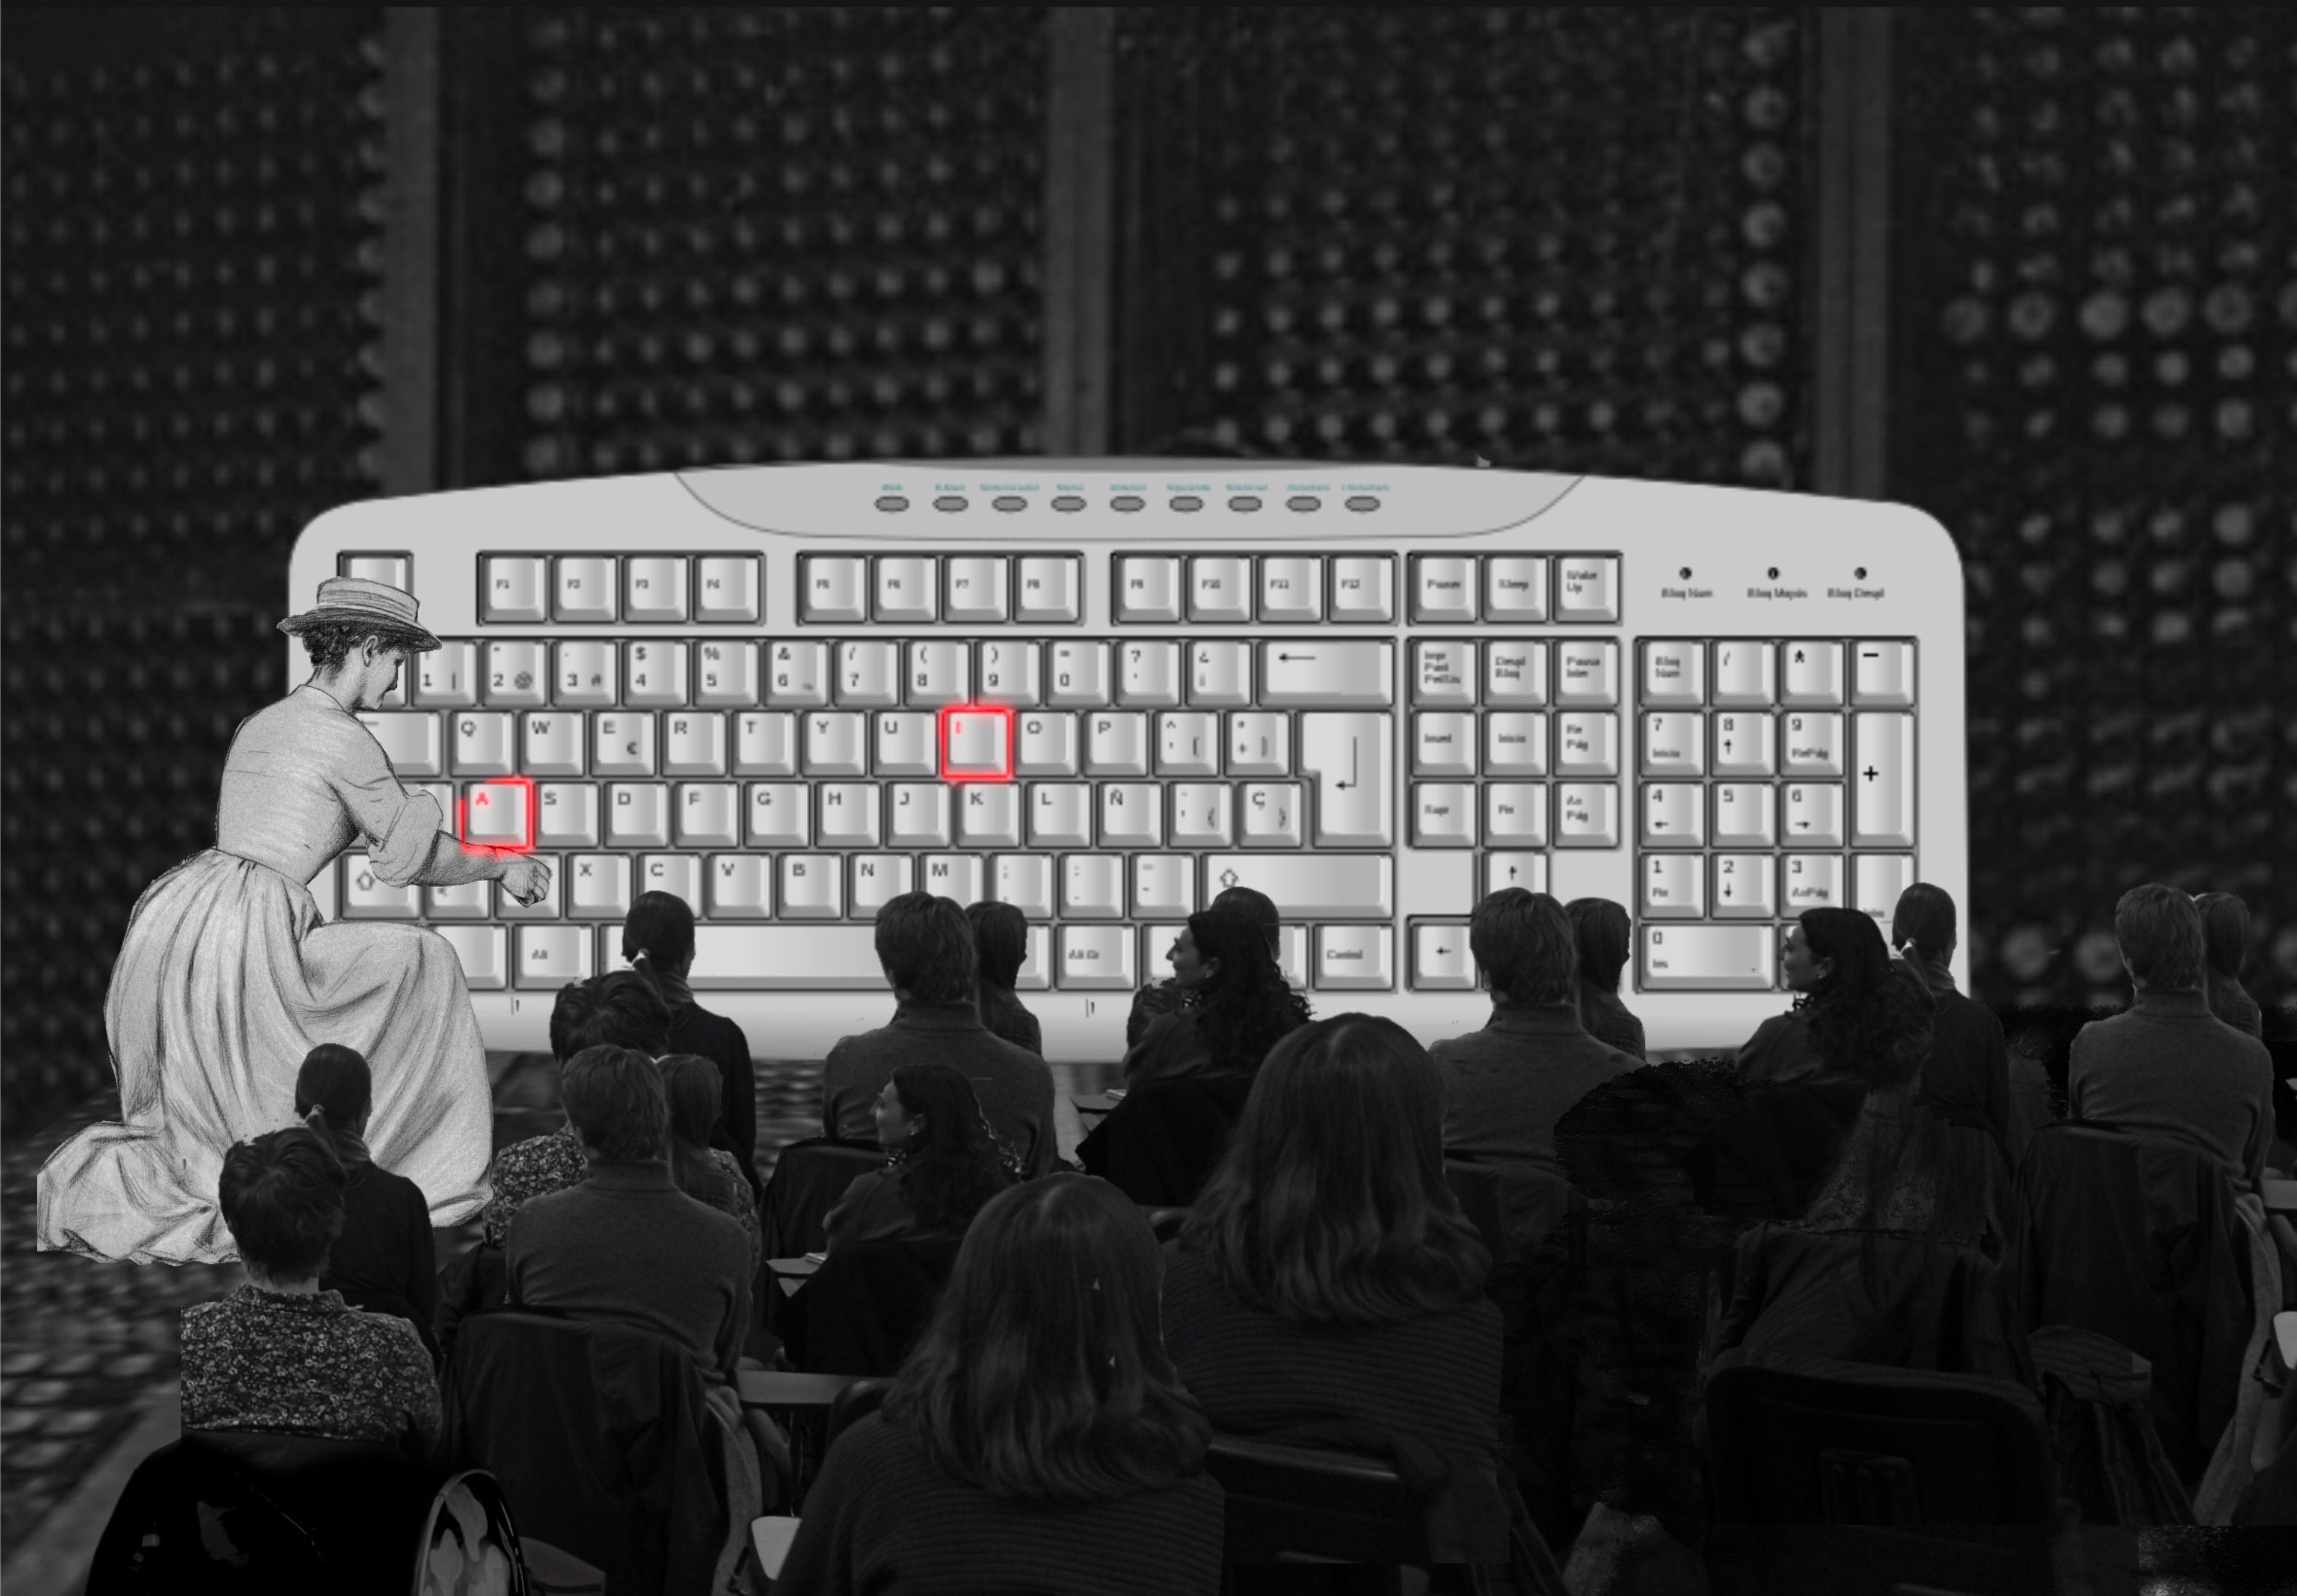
(2034, 271)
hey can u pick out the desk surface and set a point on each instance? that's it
(2280, 1196)
(1094, 1102)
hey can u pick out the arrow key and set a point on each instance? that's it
(1441, 961)
(1811, 815)
(1506, 869)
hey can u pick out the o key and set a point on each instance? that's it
(976, 743)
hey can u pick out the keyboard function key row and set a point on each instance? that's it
(712, 589)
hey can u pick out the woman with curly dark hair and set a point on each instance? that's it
(1851, 1017)
(1243, 1008)
(943, 1161)
(1039, 1436)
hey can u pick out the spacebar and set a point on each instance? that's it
(780, 958)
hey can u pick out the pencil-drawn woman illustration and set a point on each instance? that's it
(228, 975)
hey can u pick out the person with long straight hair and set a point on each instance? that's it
(705, 1173)
(1038, 1438)
(1966, 1079)
(1001, 942)
(1325, 1283)
(385, 1261)
(1604, 933)
(942, 1162)
(2225, 949)
(658, 939)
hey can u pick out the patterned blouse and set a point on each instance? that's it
(529, 1169)
(307, 1365)
(740, 1202)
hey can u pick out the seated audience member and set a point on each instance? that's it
(1506, 1085)
(384, 1261)
(622, 1010)
(2167, 1063)
(658, 939)
(1242, 1008)
(925, 948)
(702, 1172)
(1001, 942)
(943, 1161)
(2225, 949)
(1967, 1076)
(1170, 996)
(279, 1354)
(1038, 1438)
(1819, 951)
(1604, 938)
(627, 1246)
(1325, 1286)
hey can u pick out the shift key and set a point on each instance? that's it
(1307, 886)
(1709, 957)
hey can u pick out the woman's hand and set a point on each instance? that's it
(525, 879)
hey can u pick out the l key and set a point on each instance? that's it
(1348, 756)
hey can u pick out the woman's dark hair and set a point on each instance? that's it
(927, 948)
(1257, 906)
(330, 643)
(1925, 918)
(1600, 929)
(692, 1085)
(623, 1009)
(336, 1080)
(1245, 1007)
(1869, 1018)
(2225, 933)
(1001, 942)
(660, 926)
(281, 1195)
(1043, 1373)
(1331, 1205)
(614, 1100)
(953, 1164)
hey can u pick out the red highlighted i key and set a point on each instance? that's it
(976, 743)
(500, 814)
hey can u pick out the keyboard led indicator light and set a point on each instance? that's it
(498, 814)
(976, 743)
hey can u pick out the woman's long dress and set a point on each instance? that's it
(228, 977)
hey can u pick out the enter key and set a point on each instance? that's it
(1883, 780)
(1349, 757)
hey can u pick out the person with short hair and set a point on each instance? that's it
(1001, 942)
(1038, 1438)
(926, 946)
(1171, 995)
(1325, 1275)
(280, 1354)
(624, 1008)
(942, 1162)
(704, 1172)
(1604, 938)
(2225, 949)
(2167, 1063)
(385, 1259)
(1967, 1075)
(658, 939)
(1506, 1085)
(1241, 1004)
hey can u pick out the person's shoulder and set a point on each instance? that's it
(387, 1334)
(531, 1153)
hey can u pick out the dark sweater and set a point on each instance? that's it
(1966, 1078)
(1015, 1086)
(1002, 1011)
(1607, 1021)
(385, 1260)
(2167, 1063)
(1780, 1050)
(2230, 1001)
(627, 1246)
(882, 1518)
(1169, 1049)
(1506, 1085)
(718, 1038)
(873, 1209)
(1436, 1378)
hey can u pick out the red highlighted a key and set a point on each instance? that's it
(976, 743)
(498, 814)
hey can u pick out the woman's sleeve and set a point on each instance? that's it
(407, 840)
(1141, 1064)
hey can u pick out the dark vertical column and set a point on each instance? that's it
(410, 332)
(1851, 394)
(1080, 187)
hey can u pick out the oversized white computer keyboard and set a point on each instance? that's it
(1102, 690)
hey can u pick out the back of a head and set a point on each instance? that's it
(615, 1100)
(954, 1163)
(2225, 933)
(660, 926)
(926, 945)
(1925, 918)
(1526, 945)
(1330, 1205)
(1258, 908)
(281, 1196)
(623, 1009)
(1001, 942)
(335, 1079)
(1600, 935)
(2160, 932)
(1043, 1373)
(695, 1093)
(1867, 1020)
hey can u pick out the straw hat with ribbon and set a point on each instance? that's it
(377, 608)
